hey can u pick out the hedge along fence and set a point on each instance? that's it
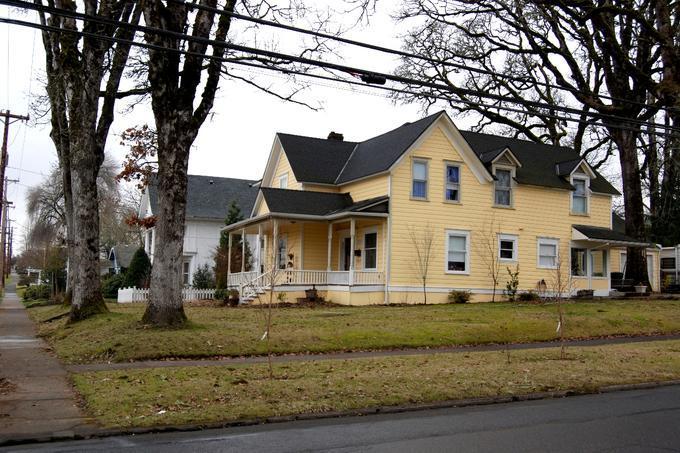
(128, 295)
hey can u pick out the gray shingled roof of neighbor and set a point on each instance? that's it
(307, 202)
(209, 197)
(606, 234)
(323, 161)
(123, 254)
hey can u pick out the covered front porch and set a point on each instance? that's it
(293, 253)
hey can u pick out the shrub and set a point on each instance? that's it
(529, 296)
(221, 294)
(459, 297)
(512, 284)
(203, 278)
(36, 292)
(111, 284)
(137, 275)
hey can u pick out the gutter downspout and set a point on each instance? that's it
(388, 260)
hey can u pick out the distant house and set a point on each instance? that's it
(208, 202)
(120, 257)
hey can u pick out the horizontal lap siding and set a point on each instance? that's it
(537, 212)
(368, 188)
(316, 246)
(283, 167)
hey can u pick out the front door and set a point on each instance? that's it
(346, 253)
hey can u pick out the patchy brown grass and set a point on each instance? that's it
(215, 394)
(220, 331)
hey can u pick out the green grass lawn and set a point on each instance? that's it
(210, 394)
(214, 331)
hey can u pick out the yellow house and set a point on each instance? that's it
(427, 204)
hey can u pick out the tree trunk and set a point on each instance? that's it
(165, 307)
(636, 259)
(87, 297)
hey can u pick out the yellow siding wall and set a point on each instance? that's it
(263, 208)
(341, 230)
(368, 188)
(537, 212)
(315, 246)
(283, 167)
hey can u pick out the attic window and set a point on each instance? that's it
(283, 181)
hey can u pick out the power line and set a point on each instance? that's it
(298, 59)
(397, 52)
(292, 58)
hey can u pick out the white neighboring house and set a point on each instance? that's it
(208, 202)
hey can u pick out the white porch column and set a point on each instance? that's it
(229, 258)
(275, 245)
(243, 250)
(330, 247)
(259, 249)
(352, 233)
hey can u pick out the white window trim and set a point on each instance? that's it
(607, 264)
(448, 163)
(363, 253)
(466, 234)
(515, 241)
(586, 179)
(421, 160)
(283, 181)
(513, 172)
(282, 237)
(623, 256)
(547, 241)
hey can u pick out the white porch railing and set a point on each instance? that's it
(128, 295)
(241, 278)
(307, 278)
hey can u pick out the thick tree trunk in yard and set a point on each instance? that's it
(636, 258)
(165, 296)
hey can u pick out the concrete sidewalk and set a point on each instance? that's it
(36, 399)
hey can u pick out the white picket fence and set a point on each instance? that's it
(129, 295)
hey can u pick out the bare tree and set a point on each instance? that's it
(561, 286)
(83, 76)
(487, 242)
(422, 240)
(606, 60)
(183, 89)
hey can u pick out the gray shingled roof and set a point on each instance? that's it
(209, 197)
(123, 254)
(538, 161)
(307, 202)
(317, 160)
(606, 234)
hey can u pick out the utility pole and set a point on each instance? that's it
(4, 157)
(3, 227)
(10, 233)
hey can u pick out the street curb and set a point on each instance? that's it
(466, 402)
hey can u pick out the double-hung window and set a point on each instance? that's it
(282, 252)
(419, 175)
(452, 188)
(457, 253)
(507, 247)
(370, 251)
(548, 253)
(283, 181)
(186, 272)
(503, 193)
(579, 197)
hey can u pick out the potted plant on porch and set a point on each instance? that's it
(641, 288)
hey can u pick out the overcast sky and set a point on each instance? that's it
(236, 139)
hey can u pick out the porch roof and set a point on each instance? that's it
(605, 235)
(311, 205)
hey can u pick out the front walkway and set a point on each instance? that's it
(36, 399)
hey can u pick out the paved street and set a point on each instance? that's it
(633, 421)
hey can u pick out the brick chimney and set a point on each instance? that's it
(336, 136)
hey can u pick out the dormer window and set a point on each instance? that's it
(579, 197)
(503, 187)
